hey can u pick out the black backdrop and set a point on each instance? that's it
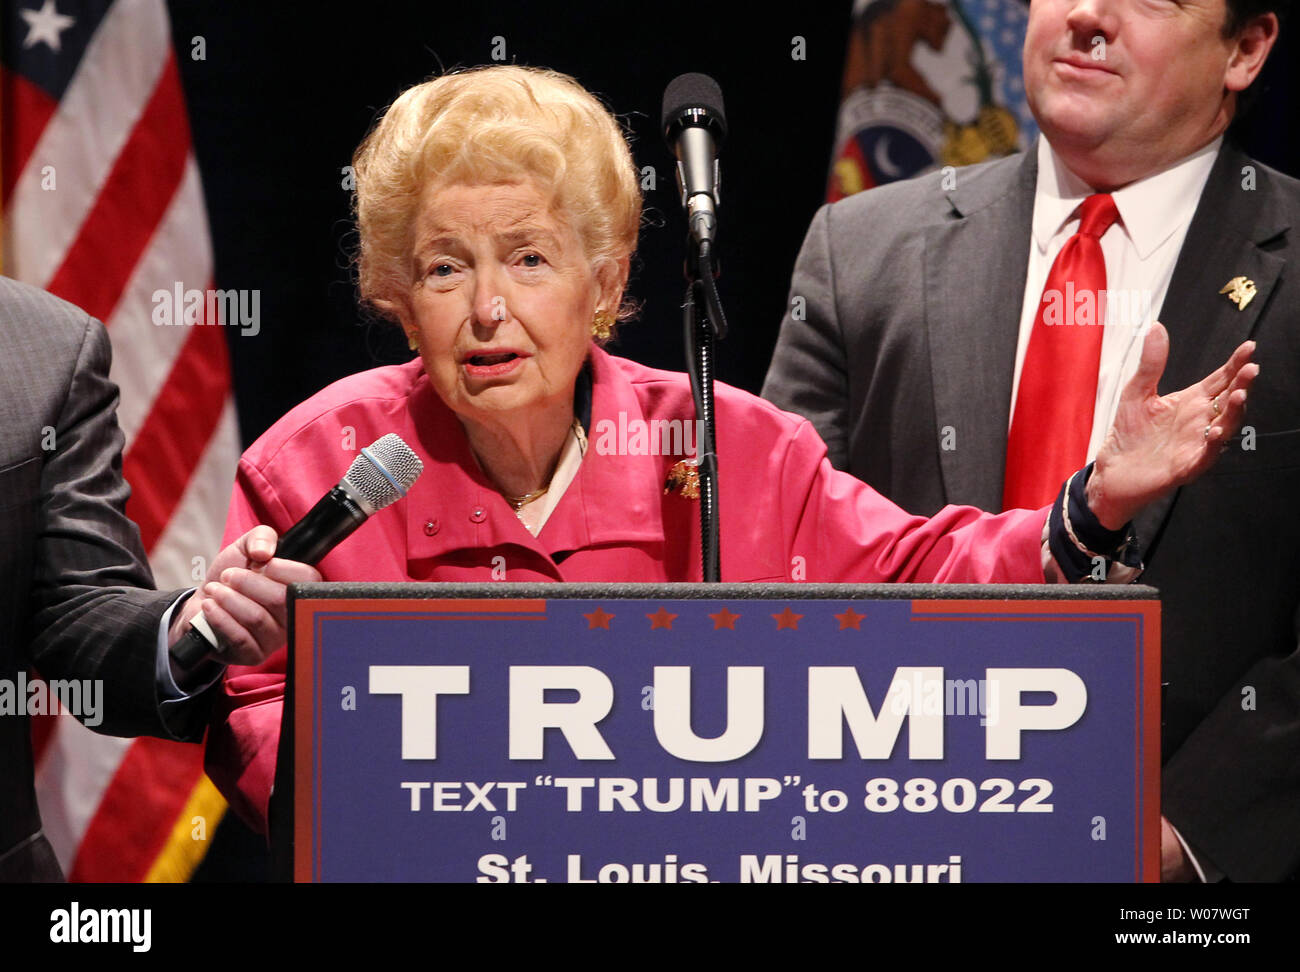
(285, 94)
(286, 91)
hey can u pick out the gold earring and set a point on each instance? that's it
(602, 325)
(412, 343)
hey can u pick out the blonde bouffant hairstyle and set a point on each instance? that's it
(502, 123)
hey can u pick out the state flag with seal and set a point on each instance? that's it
(929, 84)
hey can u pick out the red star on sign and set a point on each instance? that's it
(724, 619)
(787, 619)
(598, 619)
(661, 619)
(850, 619)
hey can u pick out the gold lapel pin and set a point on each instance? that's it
(1240, 290)
(684, 478)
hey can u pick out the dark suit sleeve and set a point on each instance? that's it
(808, 374)
(93, 611)
(1233, 788)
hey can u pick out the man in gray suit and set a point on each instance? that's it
(913, 307)
(76, 597)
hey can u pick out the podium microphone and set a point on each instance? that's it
(377, 478)
(695, 125)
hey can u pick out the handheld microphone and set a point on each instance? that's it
(377, 478)
(695, 125)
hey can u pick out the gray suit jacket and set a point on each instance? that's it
(76, 598)
(902, 353)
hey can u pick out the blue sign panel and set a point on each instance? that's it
(757, 741)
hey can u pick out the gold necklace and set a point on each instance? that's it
(517, 503)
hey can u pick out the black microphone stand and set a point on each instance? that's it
(703, 322)
(694, 125)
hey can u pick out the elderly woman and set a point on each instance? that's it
(498, 210)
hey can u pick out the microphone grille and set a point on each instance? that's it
(384, 471)
(698, 97)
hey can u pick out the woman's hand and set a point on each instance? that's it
(1157, 444)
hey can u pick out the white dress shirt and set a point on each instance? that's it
(1140, 249)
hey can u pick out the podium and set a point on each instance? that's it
(686, 733)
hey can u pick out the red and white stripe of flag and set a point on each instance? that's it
(128, 219)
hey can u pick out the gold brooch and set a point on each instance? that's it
(684, 477)
(1240, 291)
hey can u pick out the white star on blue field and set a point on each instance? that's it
(45, 26)
(1001, 24)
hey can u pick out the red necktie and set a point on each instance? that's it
(1052, 422)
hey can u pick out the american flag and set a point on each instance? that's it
(103, 206)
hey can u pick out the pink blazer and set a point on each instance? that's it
(786, 514)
